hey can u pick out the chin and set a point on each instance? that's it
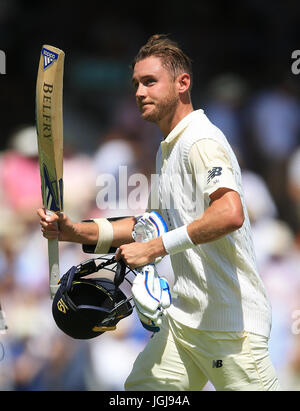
(149, 115)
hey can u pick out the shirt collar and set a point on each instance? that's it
(173, 136)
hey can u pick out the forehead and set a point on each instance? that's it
(150, 66)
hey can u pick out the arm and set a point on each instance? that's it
(223, 216)
(83, 232)
(122, 230)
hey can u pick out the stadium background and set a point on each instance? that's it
(242, 78)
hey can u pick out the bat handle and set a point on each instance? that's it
(53, 266)
(53, 255)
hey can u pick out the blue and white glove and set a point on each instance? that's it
(151, 295)
(149, 322)
(149, 226)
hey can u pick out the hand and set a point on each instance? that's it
(141, 254)
(56, 226)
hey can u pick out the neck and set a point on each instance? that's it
(169, 122)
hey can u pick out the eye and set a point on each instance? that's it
(149, 82)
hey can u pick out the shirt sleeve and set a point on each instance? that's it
(211, 162)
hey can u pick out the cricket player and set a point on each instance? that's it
(218, 323)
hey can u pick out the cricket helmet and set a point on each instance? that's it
(85, 308)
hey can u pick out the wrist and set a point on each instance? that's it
(105, 235)
(75, 233)
(82, 233)
(177, 240)
(156, 248)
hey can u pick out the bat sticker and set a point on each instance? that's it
(49, 57)
(51, 192)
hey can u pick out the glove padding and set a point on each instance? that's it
(150, 322)
(149, 226)
(151, 295)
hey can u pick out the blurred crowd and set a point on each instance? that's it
(258, 111)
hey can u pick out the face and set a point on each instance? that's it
(156, 93)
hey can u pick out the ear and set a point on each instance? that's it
(183, 82)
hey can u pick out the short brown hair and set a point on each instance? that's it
(173, 58)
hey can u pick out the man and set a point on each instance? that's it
(218, 324)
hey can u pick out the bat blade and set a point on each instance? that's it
(49, 125)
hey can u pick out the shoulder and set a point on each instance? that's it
(205, 152)
(199, 128)
(208, 147)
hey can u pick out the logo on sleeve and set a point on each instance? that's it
(217, 363)
(214, 172)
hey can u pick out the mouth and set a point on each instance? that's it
(145, 105)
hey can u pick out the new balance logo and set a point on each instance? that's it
(217, 363)
(214, 172)
(49, 57)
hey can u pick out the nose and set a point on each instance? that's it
(140, 91)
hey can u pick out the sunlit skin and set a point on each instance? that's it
(163, 99)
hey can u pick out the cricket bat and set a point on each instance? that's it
(49, 125)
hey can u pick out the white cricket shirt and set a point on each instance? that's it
(217, 284)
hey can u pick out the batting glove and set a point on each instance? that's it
(151, 295)
(150, 321)
(149, 226)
